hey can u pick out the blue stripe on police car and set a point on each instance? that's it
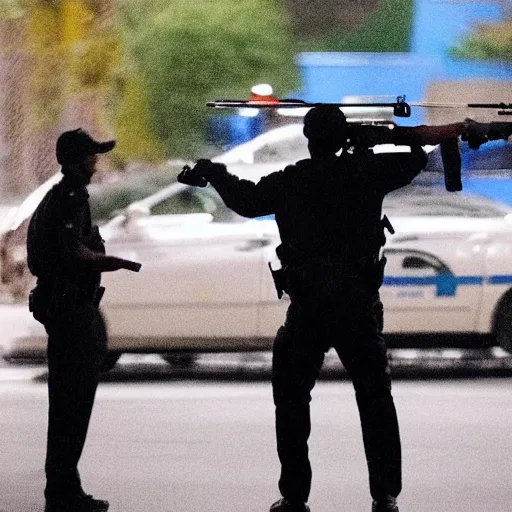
(445, 282)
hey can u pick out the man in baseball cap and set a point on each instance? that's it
(66, 253)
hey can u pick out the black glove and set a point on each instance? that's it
(499, 131)
(200, 174)
(189, 177)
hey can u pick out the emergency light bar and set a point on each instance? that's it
(400, 108)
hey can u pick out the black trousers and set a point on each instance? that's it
(344, 318)
(77, 344)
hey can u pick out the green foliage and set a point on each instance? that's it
(492, 42)
(96, 64)
(135, 138)
(388, 28)
(192, 52)
(45, 81)
(11, 9)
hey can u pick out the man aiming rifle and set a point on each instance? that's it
(362, 136)
(328, 209)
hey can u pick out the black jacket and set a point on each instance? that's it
(62, 222)
(324, 207)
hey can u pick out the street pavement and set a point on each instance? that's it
(208, 445)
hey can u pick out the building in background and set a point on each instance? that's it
(52, 57)
(428, 72)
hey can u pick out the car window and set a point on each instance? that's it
(195, 200)
(417, 200)
(289, 150)
(494, 156)
(184, 202)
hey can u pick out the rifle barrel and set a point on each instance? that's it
(430, 104)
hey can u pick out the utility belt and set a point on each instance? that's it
(53, 295)
(370, 272)
(342, 267)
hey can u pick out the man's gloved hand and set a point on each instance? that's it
(188, 176)
(198, 176)
(475, 133)
(499, 131)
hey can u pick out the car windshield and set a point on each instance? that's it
(418, 200)
(195, 200)
(290, 150)
(493, 157)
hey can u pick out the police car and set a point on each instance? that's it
(205, 283)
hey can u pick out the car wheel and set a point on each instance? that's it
(503, 324)
(181, 360)
(110, 361)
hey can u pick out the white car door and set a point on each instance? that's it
(200, 279)
(421, 291)
(272, 311)
(434, 285)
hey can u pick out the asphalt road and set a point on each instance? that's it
(207, 445)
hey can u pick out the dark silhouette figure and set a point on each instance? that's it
(328, 209)
(67, 254)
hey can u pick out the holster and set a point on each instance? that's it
(378, 311)
(47, 299)
(379, 272)
(280, 282)
(38, 305)
(376, 274)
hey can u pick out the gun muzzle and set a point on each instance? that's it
(450, 156)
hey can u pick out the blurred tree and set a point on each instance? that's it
(11, 8)
(15, 176)
(60, 60)
(135, 137)
(363, 26)
(45, 53)
(72, 46)
(313, 20)
(190, 52)
(488, 42)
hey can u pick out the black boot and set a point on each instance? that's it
(287, 506)
(81, 503)
(386, 504)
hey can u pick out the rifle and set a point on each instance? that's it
(363, 136)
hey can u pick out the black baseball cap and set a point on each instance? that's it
(76, 145)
